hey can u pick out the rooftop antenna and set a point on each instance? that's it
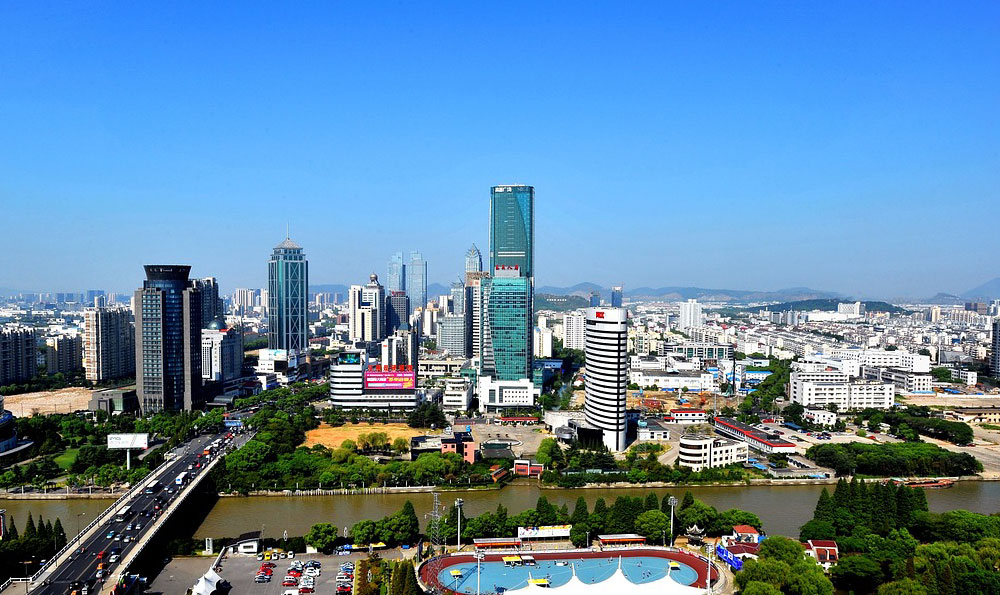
(287, 236)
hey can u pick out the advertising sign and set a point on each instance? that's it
(390, 380)
(544, 531)
(728, 557)
(123, 441)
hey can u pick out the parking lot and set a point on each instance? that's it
(241, 570)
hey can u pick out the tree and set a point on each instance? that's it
(771, 572)
(29, 529)
(322, 536)
(781, 548)
(652, 503)
(580, 513)
(855, 573)
(906, 586)
(400, 446)
(817, 529)
(653, 524)
(759, 588)
(550, 454)
(364, 532)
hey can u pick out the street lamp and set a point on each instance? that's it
(479, 559)
(458, 504)
(672, 502)
(27, 579)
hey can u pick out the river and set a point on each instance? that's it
(782, 509)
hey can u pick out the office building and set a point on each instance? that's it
(595, 299)
(573, 331)
(288, 295)
(367, 311)
(221, 352)
(63, 354)
(823, 388)
(606, 349)
(473, 260)
(457, 395)
(617, 296)
(92, 295)
(506, 395)
(356, 385)
(108, 344)
(397, 312)
(416, 280)
(690, 315)
(706, 452)
(395, 278)
(506, 326)
(452, 336)
(512, 233)
(400, 349)
(18, 355)
(168, 340)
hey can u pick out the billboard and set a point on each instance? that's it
(727, 557)
(544, 531)
(122, 441)
(396, 380)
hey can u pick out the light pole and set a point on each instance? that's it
(672, 502)
(27, 579)
(458, 504)
(479, 559)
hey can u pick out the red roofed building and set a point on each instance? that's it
(824, 551)
(744, 534)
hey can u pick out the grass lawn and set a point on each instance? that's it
(67, 458)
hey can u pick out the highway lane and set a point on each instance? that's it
(143, 511)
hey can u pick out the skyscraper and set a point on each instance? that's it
(168, 340)
(416, 280)
(616, 296)
(512, 232)
(473, 260)
(211, 302)
(607, 373)
(288, 294)
(452, 336)
(995, 356)
(18, 355)
(506, 327)
(367, 311)
(595, 299)
(108, 343)
(395, 279)
(397, 312)
(573, 333)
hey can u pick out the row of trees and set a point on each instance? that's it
(893, 459)
(890, 544)
(38, 542)
(402, 527)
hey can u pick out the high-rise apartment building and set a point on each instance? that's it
(995, 355)
(244, 300)
(395, 279)
(573, 331)
(617, 294)
(474, 309)
(690, 314)
(473, 260)
(168, 340)
(211, 301)
(607, 373)
(397, 312)
(416, 280)
(288, 294)
(108, 344)
(63, 354)
(367, 311)
(221, 352)
(452, 336)
(400, 349)
(18, 357)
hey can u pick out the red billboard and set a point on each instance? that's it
(391, 379)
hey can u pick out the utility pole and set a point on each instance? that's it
(672, 502)
(458, 504)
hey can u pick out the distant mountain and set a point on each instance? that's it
(559, 303)
(987, 291)
(830, 305)
(944, 299)
(683, 293)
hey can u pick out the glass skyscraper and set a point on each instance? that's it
(512, 231)
(506, 327)
(288, 294)
(395, 279)
(416, 280)
(473, 260)
(168, 340)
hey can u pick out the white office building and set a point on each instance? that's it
(573, 325)
(497, 395)
(367, 311)
(707, 452)
(606, 349)
(820, 389)
(457, 394)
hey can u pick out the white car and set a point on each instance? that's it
(312, 572)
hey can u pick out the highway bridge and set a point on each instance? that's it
(122, 531)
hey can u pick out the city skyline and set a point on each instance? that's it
(827, 134)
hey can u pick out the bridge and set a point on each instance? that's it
(78, 561)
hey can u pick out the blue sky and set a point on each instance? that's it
(850, 147)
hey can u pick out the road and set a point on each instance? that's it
(144, 508)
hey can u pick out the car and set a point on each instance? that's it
(283, 555)
(312, 571)
(262, 579)
(266, 571)
(344, 588)
(138, 526)
(306, 590)
(127, 539)
(82, 549)
(118, 537)
(266, 564)
(291, 554)
(113, 558)
(110, 535)
(130, 526)
(290, 582)
(260, 556)
(293, 572)
(313, 564)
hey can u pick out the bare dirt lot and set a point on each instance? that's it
(332, 437)
(949, 401)
(66, 400)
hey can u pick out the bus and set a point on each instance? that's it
(152, 487)
(182, 478)
(124, 514)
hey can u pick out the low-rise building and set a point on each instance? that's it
(673, 380)
(706, 452)
(756, 439)
(527, 468)
(824, 551)
(820, 389)
(457, 395)
(687, 416)
(653, 429)
(820, 417)
(904, 380)
(496, 395)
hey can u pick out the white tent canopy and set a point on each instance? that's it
(619, 583)
(207, 584)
